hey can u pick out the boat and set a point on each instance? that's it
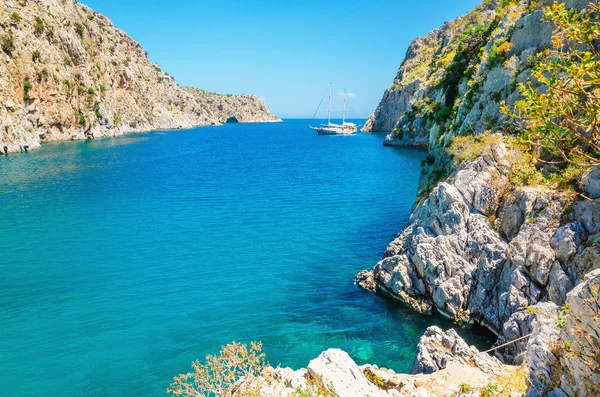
(336, 129)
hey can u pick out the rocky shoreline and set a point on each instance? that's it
(66, 73)
(522, 260)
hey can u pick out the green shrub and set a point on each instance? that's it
(442, 114)
(7, 42)
(79, 29)
(38, 27)
(91, 91)
(14, 17)
(430, 159)
(499, 52)
(26, 87)
(80, 118)
(398, 133)
(102, 88)
(36, 56)
(469, 148)
(467, 53)
(561, 117)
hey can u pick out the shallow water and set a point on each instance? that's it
(123, 260)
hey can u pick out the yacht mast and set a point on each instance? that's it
(329, 108)
(344, 114)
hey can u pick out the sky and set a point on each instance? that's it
(284, 52)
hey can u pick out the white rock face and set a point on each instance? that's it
(336, 367)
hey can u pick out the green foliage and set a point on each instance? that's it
(42, 76)
(80, 90)
(469, 148)
(79, 29)
(15, 18)
(442, 114)
(91, 91)
(398, 133)
(7, 43)
(315, 387)
(531, 310)
(561, 320)
(464, 388)
(374, 379)
(102, 88)
(235, 371)
(467, 54)
(499, 52)
(80, 118)
(489, 390)
(116, 120)
(430, 159)
(26, 88)
(523, 170)
(568, 178)
(36, 56)
(38, 27)
(562, 117)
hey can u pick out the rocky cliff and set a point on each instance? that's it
(487, 242)
(233, 108)
(67, 73)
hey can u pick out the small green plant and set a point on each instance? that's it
(91, 91)
(15, 18)
(489, 390)
(79, 29)
(531, 310)
(38, 27)
(315, 387)
(464, 388)
(7, 43)
(36, 56)
(80, 118)
(68, 61)
(374, 379)
(26, 87)
(398, 133)
(102, 88)
(499, 52)
(442, 114)
(80, 90)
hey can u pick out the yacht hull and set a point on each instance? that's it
(334, 131)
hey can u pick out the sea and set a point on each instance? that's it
(123, 260)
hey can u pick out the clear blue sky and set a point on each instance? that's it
(285, 52)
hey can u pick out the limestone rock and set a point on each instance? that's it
(437, 349)
(336, 368)
(590, 183)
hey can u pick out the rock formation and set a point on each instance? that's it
(445, 366)
(478, 247)
(67, 73)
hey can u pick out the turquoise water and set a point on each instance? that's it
(124, 259)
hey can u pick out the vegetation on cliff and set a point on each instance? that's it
(67, 73)
(561, 118)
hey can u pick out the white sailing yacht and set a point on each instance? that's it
(336, 129)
